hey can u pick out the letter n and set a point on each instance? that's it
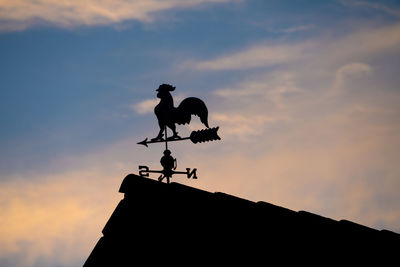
(191, 173)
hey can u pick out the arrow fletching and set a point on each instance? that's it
(205, 135)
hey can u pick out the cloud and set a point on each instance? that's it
(306, 148)
(347, 71)
(249, 88)
(298, 28)
(319, 167)
(54, 219)
(54, 216)
(377, 6)
(243, 128)
(268, 89)
(353, 68)
(366, 42)
(254, 57)
(145, 106)
(332, 155)
(303, 146)
(21, 14)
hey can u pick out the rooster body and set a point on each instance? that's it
(168, 115)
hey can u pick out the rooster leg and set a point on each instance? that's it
(173, 128)
(160, 135)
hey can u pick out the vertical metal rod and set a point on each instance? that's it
(166, 138)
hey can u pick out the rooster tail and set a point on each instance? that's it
(192, 106)
(204, 120)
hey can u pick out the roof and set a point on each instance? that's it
(173, 222)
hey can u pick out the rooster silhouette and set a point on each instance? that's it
(168, 115)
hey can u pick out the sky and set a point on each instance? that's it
(306, 95)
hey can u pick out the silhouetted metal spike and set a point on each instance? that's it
(144, 142)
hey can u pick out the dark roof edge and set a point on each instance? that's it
(133, 182)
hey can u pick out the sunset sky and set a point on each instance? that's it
(306, 94)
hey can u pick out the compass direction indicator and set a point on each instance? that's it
(168, 116)
(144, 172)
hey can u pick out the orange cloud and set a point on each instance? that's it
(56, 219)
(20, 14)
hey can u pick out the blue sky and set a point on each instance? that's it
(305, 92)
(67, 89)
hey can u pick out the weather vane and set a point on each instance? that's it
(168, 116)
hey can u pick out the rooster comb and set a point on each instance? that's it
(166, 87)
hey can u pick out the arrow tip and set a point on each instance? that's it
(144, 142)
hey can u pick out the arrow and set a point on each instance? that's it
(199, 136)
(144, 142)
